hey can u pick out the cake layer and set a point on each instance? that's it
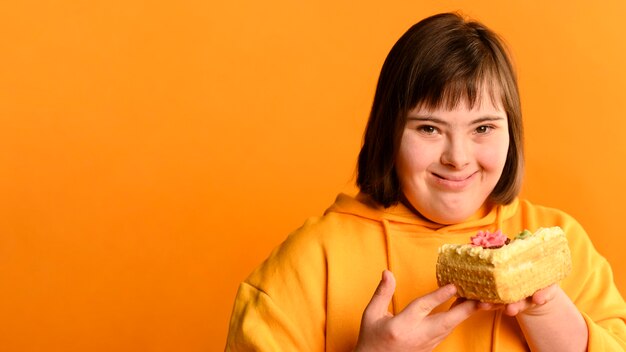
(507, 274)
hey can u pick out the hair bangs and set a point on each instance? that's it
(448, 91)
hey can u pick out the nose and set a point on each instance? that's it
(456, 152)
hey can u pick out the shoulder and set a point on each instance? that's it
(323, 233)
(545, 216)
(305, 251)
(346, 218)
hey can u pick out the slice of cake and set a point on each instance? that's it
(494, 269)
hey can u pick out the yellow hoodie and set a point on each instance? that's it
(309, 295)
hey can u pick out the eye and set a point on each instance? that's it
(484, 129)
(427, 129)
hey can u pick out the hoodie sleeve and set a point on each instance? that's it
(591, 287)
(281, 306)
(605, 315)
(259, 324)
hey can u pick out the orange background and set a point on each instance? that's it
(153, 153)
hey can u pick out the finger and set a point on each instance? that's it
(422, 306)
(544, 295)
(489, 306)
(512, 309)
(457, 314)
(379, 304)
(458, 301)
(443, 323)
(539, 298)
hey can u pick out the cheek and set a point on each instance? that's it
(493, 157)
(412, 158)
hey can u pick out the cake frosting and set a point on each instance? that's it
(487, 239)
(490, 271)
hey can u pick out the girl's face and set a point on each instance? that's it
(450, 160)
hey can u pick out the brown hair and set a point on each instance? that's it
(439, 62)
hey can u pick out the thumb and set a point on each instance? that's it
(379, 304)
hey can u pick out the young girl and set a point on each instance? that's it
(442, 158)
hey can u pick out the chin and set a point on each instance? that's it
(448, 212)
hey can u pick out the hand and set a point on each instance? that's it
(549, 320)
(537, 304)
(414, 328)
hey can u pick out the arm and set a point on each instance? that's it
(587, 311)
(592, 289)
(550, 321)
(258, 324)
(281, 305)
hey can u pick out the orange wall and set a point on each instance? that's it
(153, 153)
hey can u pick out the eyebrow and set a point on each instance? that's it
(443, 122)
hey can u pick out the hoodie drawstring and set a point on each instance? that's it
(388, 252)
(497, 319)
(496, 330)
(499, 221)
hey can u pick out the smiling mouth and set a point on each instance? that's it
(454, 178)
(454, 182)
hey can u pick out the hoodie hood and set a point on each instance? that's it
(362, 205)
